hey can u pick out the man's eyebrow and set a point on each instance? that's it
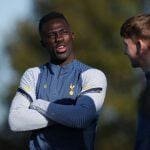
(50, 31)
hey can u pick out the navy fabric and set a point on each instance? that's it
(143, 144)
(143, 128)
(147, 75)
(54, 81)
(62, 85)
(78, 116)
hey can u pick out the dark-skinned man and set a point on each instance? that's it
(59, 101)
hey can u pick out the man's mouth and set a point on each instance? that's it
(61, 49)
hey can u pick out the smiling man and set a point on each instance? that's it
(59, 101)
(136, 37)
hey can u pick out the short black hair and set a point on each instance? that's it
(50, 16)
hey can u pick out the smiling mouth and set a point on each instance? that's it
(61, 49)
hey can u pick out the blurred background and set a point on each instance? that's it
(96, 24)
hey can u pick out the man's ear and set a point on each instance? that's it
(73, 35)
(141, 45)
(138, 47)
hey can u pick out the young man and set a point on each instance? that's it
(59, 101)
(136, 36)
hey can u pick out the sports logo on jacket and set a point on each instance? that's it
(71, 89)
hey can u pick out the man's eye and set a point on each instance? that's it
(65, 32)
(61, 32)
(51, 35)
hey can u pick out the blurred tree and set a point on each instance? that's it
(96, 24)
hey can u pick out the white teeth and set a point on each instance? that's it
(61, 47)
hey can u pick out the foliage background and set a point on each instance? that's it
(96, 24)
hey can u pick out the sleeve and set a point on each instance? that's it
(28, 82)
(87, 107)
(21, 117)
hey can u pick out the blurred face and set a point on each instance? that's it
(57, 37)
(131, 50)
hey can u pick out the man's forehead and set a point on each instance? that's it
(56, 23)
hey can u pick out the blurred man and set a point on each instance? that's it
(59, 101)
(136, 37)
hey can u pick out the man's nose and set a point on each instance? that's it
(58, 37)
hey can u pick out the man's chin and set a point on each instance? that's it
(62, 56)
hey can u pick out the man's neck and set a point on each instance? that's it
(62, 62)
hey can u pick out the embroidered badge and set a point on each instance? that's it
(71, 92)
(27, 88)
